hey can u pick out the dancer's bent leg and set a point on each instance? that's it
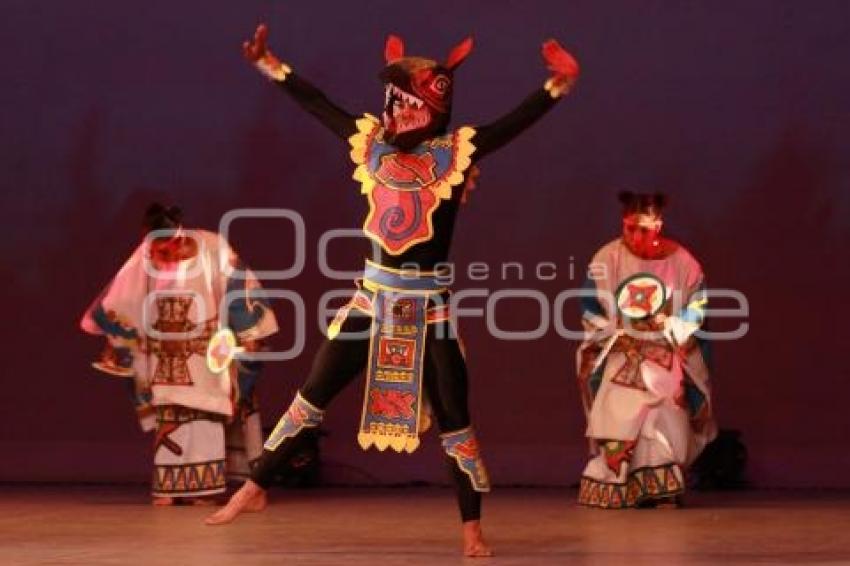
(335, 365)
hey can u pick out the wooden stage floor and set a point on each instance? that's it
(97, 525)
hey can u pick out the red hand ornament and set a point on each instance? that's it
(559, 61)
(564, 68)
(256, 51)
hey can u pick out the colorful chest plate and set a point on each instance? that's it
(405, 188)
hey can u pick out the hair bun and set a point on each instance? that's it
(160, 217)
(642, 202)
(175, 213)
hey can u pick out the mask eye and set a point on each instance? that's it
(440, 84)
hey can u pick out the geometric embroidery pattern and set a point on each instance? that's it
(393, 393)
(636, 352)
(187, 479)
(641, 484)
(172, 355)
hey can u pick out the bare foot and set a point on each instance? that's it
(257, 503)
(249, 498)
(162, 501)
(473, 541)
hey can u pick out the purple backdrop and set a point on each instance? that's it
(738, 110)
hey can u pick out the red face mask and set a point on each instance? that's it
(642, 234)
(165, 250)
(418, 92)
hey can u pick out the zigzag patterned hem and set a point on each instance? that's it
(189, 480)
(642, 485)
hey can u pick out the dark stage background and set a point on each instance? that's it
(739, 110)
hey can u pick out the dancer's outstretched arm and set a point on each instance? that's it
(305, 94)
(565, 72)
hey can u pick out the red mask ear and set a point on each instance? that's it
(394, 49)
(459, 53)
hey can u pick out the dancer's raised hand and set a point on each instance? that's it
(564, 67)
(257, 52)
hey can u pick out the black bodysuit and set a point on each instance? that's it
(338, 362)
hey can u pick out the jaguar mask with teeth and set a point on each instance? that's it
(418, 93)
